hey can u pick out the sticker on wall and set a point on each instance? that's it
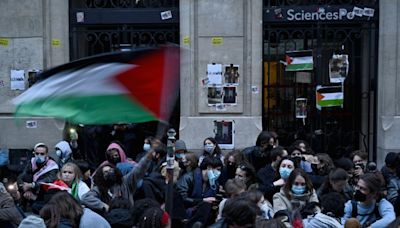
(31, 124)
(166, 15)
(338, 68)
(214, 74)
(56, 42)
(328, 96)
(231, 74)
(17, 79)
(230, 95)
(220, 107)
(80, 17)
(224, 131)
(217, 41)
(4, 42)
(254, 89)
(186, 40)
(214, 95)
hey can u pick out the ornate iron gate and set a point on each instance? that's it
(294, 25)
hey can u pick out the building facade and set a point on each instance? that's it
(235, 77)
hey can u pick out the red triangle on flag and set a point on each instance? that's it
(289, 59)
(154, 81)
(320, 96)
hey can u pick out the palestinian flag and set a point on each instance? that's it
(299, 61)
(328, 96)
(122, 87)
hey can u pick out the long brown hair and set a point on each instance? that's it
(297, 172)
(61, 205)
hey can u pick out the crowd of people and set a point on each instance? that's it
(265, 185)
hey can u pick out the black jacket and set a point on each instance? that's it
(185, 187)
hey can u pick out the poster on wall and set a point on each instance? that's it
(301, 108)
(230, 95)
(231, 74)
(224, 131)
(338, 68)
(214, 74)
(17, 79)
(214, 95)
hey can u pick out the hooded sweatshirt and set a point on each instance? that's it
(321, 220)
(66, 152)
(121, 153)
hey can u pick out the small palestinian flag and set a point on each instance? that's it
(299, 61)
(329, 96)
(122, 87)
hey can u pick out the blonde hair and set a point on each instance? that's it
(77, 171)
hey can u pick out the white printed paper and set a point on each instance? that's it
(214, 74)
(17, 80)
(359, 12)
(166, 15)
(369, 12)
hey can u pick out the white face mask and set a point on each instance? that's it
(40, 158)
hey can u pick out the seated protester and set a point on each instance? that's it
(64, 211)
(155, 217)
(303, 146)
(116, 154)
(259, 154)
(211, 149)
(296, 154)
(360, 160)
(119, 214)
(368, 206)
(85, 171)
(140, 207)
(265, 207)
(159, 157)
(40, 169)
(70, 175)
(63, 152)
(393, 190)
(190, 163)
(238, 212)
(109, 184)
(233, 187)
(337, 182)
(297, 194)
(199, 190)
(332, 209)
(231, 161)
(321, 167)
(246, 173)
(272, 179)
(180, 150)
(388, 171)
(10, 214)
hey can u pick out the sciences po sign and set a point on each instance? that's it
(320, 14)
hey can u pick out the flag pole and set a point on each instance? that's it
(169, 193)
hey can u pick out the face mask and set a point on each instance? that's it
(180, 156)
(114, 160)
(212, 177)
(40, 159)
(285, 173)
(266, 211)
(146, 147)
(298, 190)
(359, 196)
(270, 147)
(58, 153)
(209, 148)
(110, 177)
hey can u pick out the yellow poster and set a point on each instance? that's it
(56, 42)
(186, 40)
(3, 42)
(217, 41)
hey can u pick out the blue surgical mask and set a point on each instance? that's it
(213, 175)
(180, 155)
(298, 189)
(59, 153)
(146, 147)
(285, 172)
(209, 148)
(40, 159)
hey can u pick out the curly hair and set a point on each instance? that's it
(102, 184)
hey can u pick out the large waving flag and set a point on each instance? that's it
(123, 87)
